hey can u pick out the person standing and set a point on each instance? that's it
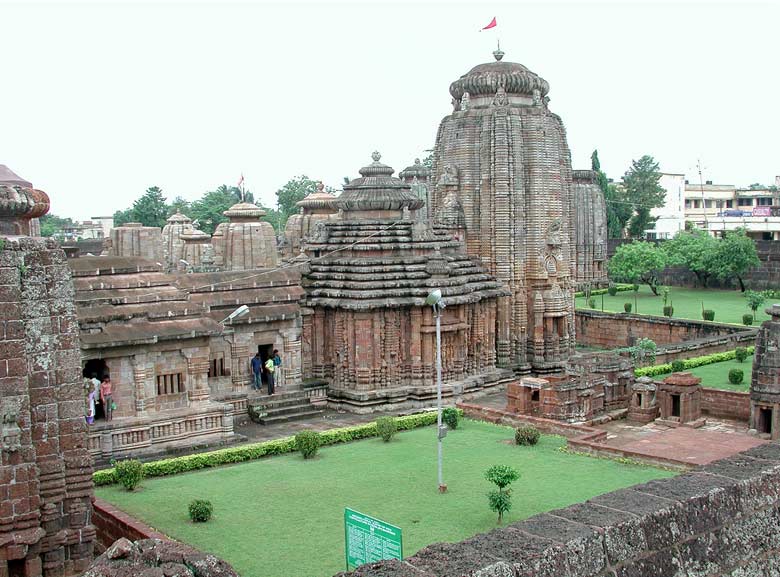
(99, 410)
(277, 369)
(106, 398)
(257, 371)
(269, 374)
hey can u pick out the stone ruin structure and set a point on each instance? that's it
(590, 229)
(173, 244)
(316, 207)
(246, 242)
(418, 176)
(198, 253)
(644, 406)
(502, 158)
(765, 382)
(370, 333)
(679, 400)
(45, 467)
(133, 239)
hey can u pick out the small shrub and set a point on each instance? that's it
(635, 287)
(736, 376)
(200, 510)
(501, 476)
(747, 319)
(307, 442)
(678, 366)
(612, 290)
(708, 314)
(527, 435)
(668, 311)
(627, 307)
(592, 303)
(451, 417)
(129, 473)
(741, 354)
(386, 427)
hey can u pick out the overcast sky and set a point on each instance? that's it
(101, 101)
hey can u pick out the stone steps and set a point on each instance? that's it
(282, 407)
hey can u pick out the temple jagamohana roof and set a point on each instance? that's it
(394, 260)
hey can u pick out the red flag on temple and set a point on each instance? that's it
(241, 180)
(491, 25)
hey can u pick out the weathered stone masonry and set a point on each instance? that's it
(722, 520)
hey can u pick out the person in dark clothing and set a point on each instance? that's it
(277, 368)
(257, 371)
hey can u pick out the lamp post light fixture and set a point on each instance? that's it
(239, 312)
(435, 300)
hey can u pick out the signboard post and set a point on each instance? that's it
(367, 539)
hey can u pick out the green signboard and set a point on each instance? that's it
(367, 539)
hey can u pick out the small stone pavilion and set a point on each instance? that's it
(45, 467)
(418, 176)
(370, 333)
(765, 382)
(679, 400)
(177, 225)
(316, 207)
(246, 242)
(133, 239)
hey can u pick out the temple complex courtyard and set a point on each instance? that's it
(284, 515)
(729, 305)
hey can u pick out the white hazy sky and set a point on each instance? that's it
(101, 101)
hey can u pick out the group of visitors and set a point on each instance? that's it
(99, 398)
(271, 368)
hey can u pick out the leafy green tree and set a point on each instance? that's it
(179, 204)
(638, 261)
(292, 192)
(618, 210)
(755, 299)
(123, 216)
(735, 256)
(693, 249)
(208, 209)
(501, 476)
(150, 209)
(644, 193)
(51, 224)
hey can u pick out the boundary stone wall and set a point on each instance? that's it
(676, 338)
(724, 404)
(721, 520)
(112, 524)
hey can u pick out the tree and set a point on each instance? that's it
(150, 209)
(208, 209)
(501, 476)
(644, 193)
(123, 216)
(293, 191)
(755, 299)
(618, 210)
(179, 204)
(693, 249)
(735, 256)
(639, 261)
(52, 225)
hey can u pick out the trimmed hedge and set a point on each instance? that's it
(690, 363)
(254, 451)
(596, 292)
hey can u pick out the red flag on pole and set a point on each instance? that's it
(491, 25)
(241, 180)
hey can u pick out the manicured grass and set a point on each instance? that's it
(283, 516)
(716, 375)
(729, 305)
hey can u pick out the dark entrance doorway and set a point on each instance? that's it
(96, 368)
(675, 405)
(765, 420)
(265, 353)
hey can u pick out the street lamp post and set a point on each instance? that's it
(434, 299)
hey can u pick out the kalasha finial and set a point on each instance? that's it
(498, 54)
(320, 186)
(417, 161)
(376, 156)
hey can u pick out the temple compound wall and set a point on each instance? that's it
(366, 274)
(180, 371)
(765, 382)
(45, 467)
(502, 166)
(718, 521)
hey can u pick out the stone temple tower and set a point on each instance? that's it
(501, 159)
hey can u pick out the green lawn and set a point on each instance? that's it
(716, 375)
(729, 305)
(283, 516)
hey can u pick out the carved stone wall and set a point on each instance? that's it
(134, 239)
(590, 224)
(173, 244)
(765, 384)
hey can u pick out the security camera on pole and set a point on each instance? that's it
(435, 300)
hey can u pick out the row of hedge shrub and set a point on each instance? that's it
(596, 292)
(254, 451)
(690, 363)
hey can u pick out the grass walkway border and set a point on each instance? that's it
(692, 363)
(250, 452)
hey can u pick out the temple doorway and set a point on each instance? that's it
(765, 420)
(265, 353)
(675, 405)
(96, 368)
